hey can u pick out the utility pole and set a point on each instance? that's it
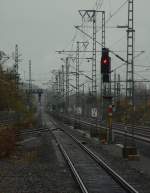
(67, 84)
(16, 65)
(77, 77)
(63, 82)
(78, 102)
(16, 58)
(30, 85)
(57, 90)
(94, 85)
(63, 87)
(130, 54)
(130, 146)
(83, 100)
(78, 99)
(59, 83)
(103, 29)
(102, 88)
(91, 16)
(118, 90)
(77, 117)
(115, 88)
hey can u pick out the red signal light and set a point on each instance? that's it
(105, 61)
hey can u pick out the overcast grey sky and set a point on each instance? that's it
(40, 27)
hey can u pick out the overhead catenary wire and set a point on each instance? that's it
(99, 4)
(111, 51)
(116, 11)
(140, 76)
(111, 15)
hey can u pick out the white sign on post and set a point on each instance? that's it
(74, 109)
(50, 108)
(61, 110)
(79, 110)
(69, 109)
(94, 112)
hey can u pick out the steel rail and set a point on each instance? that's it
(35, 131)
(140, 127)
(110, 171)
(69, 162)
(140, 137)
(118, 179)
(74, 171)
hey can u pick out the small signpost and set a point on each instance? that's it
(110, 123)
(79, 111)
(94, 112)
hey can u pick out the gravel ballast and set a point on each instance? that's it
(36, 167)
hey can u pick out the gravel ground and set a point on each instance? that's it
(36, 167)
(129, 170)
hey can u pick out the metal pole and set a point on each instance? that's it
(59, 83)
(63, 82)
(30, 85)
(63, 89)
(118, 90)
(130, 54)
(103, 46)
(94, 86)
(115, 88)
(77, 120)
(67, 84)
(77, 76)
(83, 101)
(57, 90)
(16, 59)
(130, 66)
(16, 65)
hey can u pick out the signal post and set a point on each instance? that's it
(109, 124)
(106, 90)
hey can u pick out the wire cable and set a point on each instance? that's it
(116, 11)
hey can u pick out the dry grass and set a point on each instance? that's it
(7, 140)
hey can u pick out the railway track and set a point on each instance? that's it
(139, 130)
(139, 133)
(91, 173)
(6, 122)
(32, 131)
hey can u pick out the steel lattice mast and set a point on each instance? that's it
(30, 85)
(67, 84)
(30, 78)
(103, 29)
(77, 74)
(16, 65)
(91, 15)
(94, 85)
(103, 46)
(130, 54)
(16, 59)
(78, 71)
(63, 80)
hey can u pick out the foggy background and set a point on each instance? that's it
(40, 27)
